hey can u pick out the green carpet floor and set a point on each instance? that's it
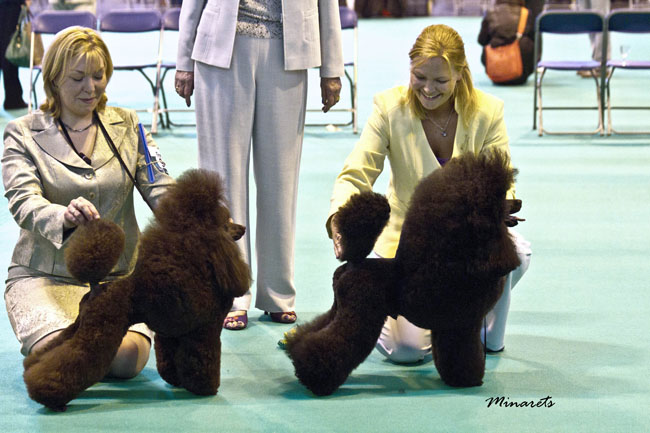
(577, 333)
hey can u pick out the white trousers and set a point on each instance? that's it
(257, 106)
(403, 342)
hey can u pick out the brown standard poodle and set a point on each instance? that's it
(448, 272)
(187, 274)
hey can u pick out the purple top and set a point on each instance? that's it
(442, 161)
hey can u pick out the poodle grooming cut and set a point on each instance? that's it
(453, 255)
(187, 273)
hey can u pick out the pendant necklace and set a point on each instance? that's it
(443, 131)
(77, 130)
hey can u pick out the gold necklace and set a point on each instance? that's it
(443, 131)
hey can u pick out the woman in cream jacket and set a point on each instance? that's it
(418, 129)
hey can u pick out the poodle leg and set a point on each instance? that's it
(323, 360)
(198, 360)
(166, 348)
(35, 356)
(64, 335)
(325, 357)
(70, 365)
(459, 356)
(299, 332)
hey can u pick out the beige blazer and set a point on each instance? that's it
(393, 132)
(42, 174)
(312, 34)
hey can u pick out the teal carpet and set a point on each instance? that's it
(577, 337)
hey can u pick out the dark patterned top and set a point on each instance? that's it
(260, 19)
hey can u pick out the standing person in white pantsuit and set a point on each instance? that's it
(246, 62)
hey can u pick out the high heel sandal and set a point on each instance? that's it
(283, 316)
(236, 320)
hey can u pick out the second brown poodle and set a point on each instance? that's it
(187, 274)
(453, 254)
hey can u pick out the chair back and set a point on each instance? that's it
(348, 17)
(629, 21)
(569, 22)
(170, 19)
(53, 21)
(130, 21)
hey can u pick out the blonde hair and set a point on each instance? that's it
(442, 41)
(70, 45)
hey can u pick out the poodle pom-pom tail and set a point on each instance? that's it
(94, 250)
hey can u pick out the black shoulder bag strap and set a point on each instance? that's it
(119, 158)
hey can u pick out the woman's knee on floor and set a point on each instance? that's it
(403, 342)
(131, 356)
(404, 354)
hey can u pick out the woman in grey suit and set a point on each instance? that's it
(58, 173)
(246, 62)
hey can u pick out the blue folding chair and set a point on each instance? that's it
(625, 21)
(567, 23)
(135, 21)
(52, 22)
(349, 22)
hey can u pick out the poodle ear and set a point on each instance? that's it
(94, 250)
(231, 274)
(502, 259)
(360, 221)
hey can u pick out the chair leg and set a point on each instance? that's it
(539, 102)
(33, 100)
(608, 103)
(535, 100)
(164, 98)
(152, 86)
(600, 129)
(353, 94)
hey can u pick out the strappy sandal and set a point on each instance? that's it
(236, 320)
(283, 316)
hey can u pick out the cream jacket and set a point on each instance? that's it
(312, 34)
(393, 132)
(42, 174)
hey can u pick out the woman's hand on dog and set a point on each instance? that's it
(513, 206)
(336, 238)
(79, 212)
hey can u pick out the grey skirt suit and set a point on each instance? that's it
(41, 175)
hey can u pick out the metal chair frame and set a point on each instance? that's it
(170, 22)
(624, 21)
(349, 21)
(568, 22)
(136, 21)
(52, 22)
